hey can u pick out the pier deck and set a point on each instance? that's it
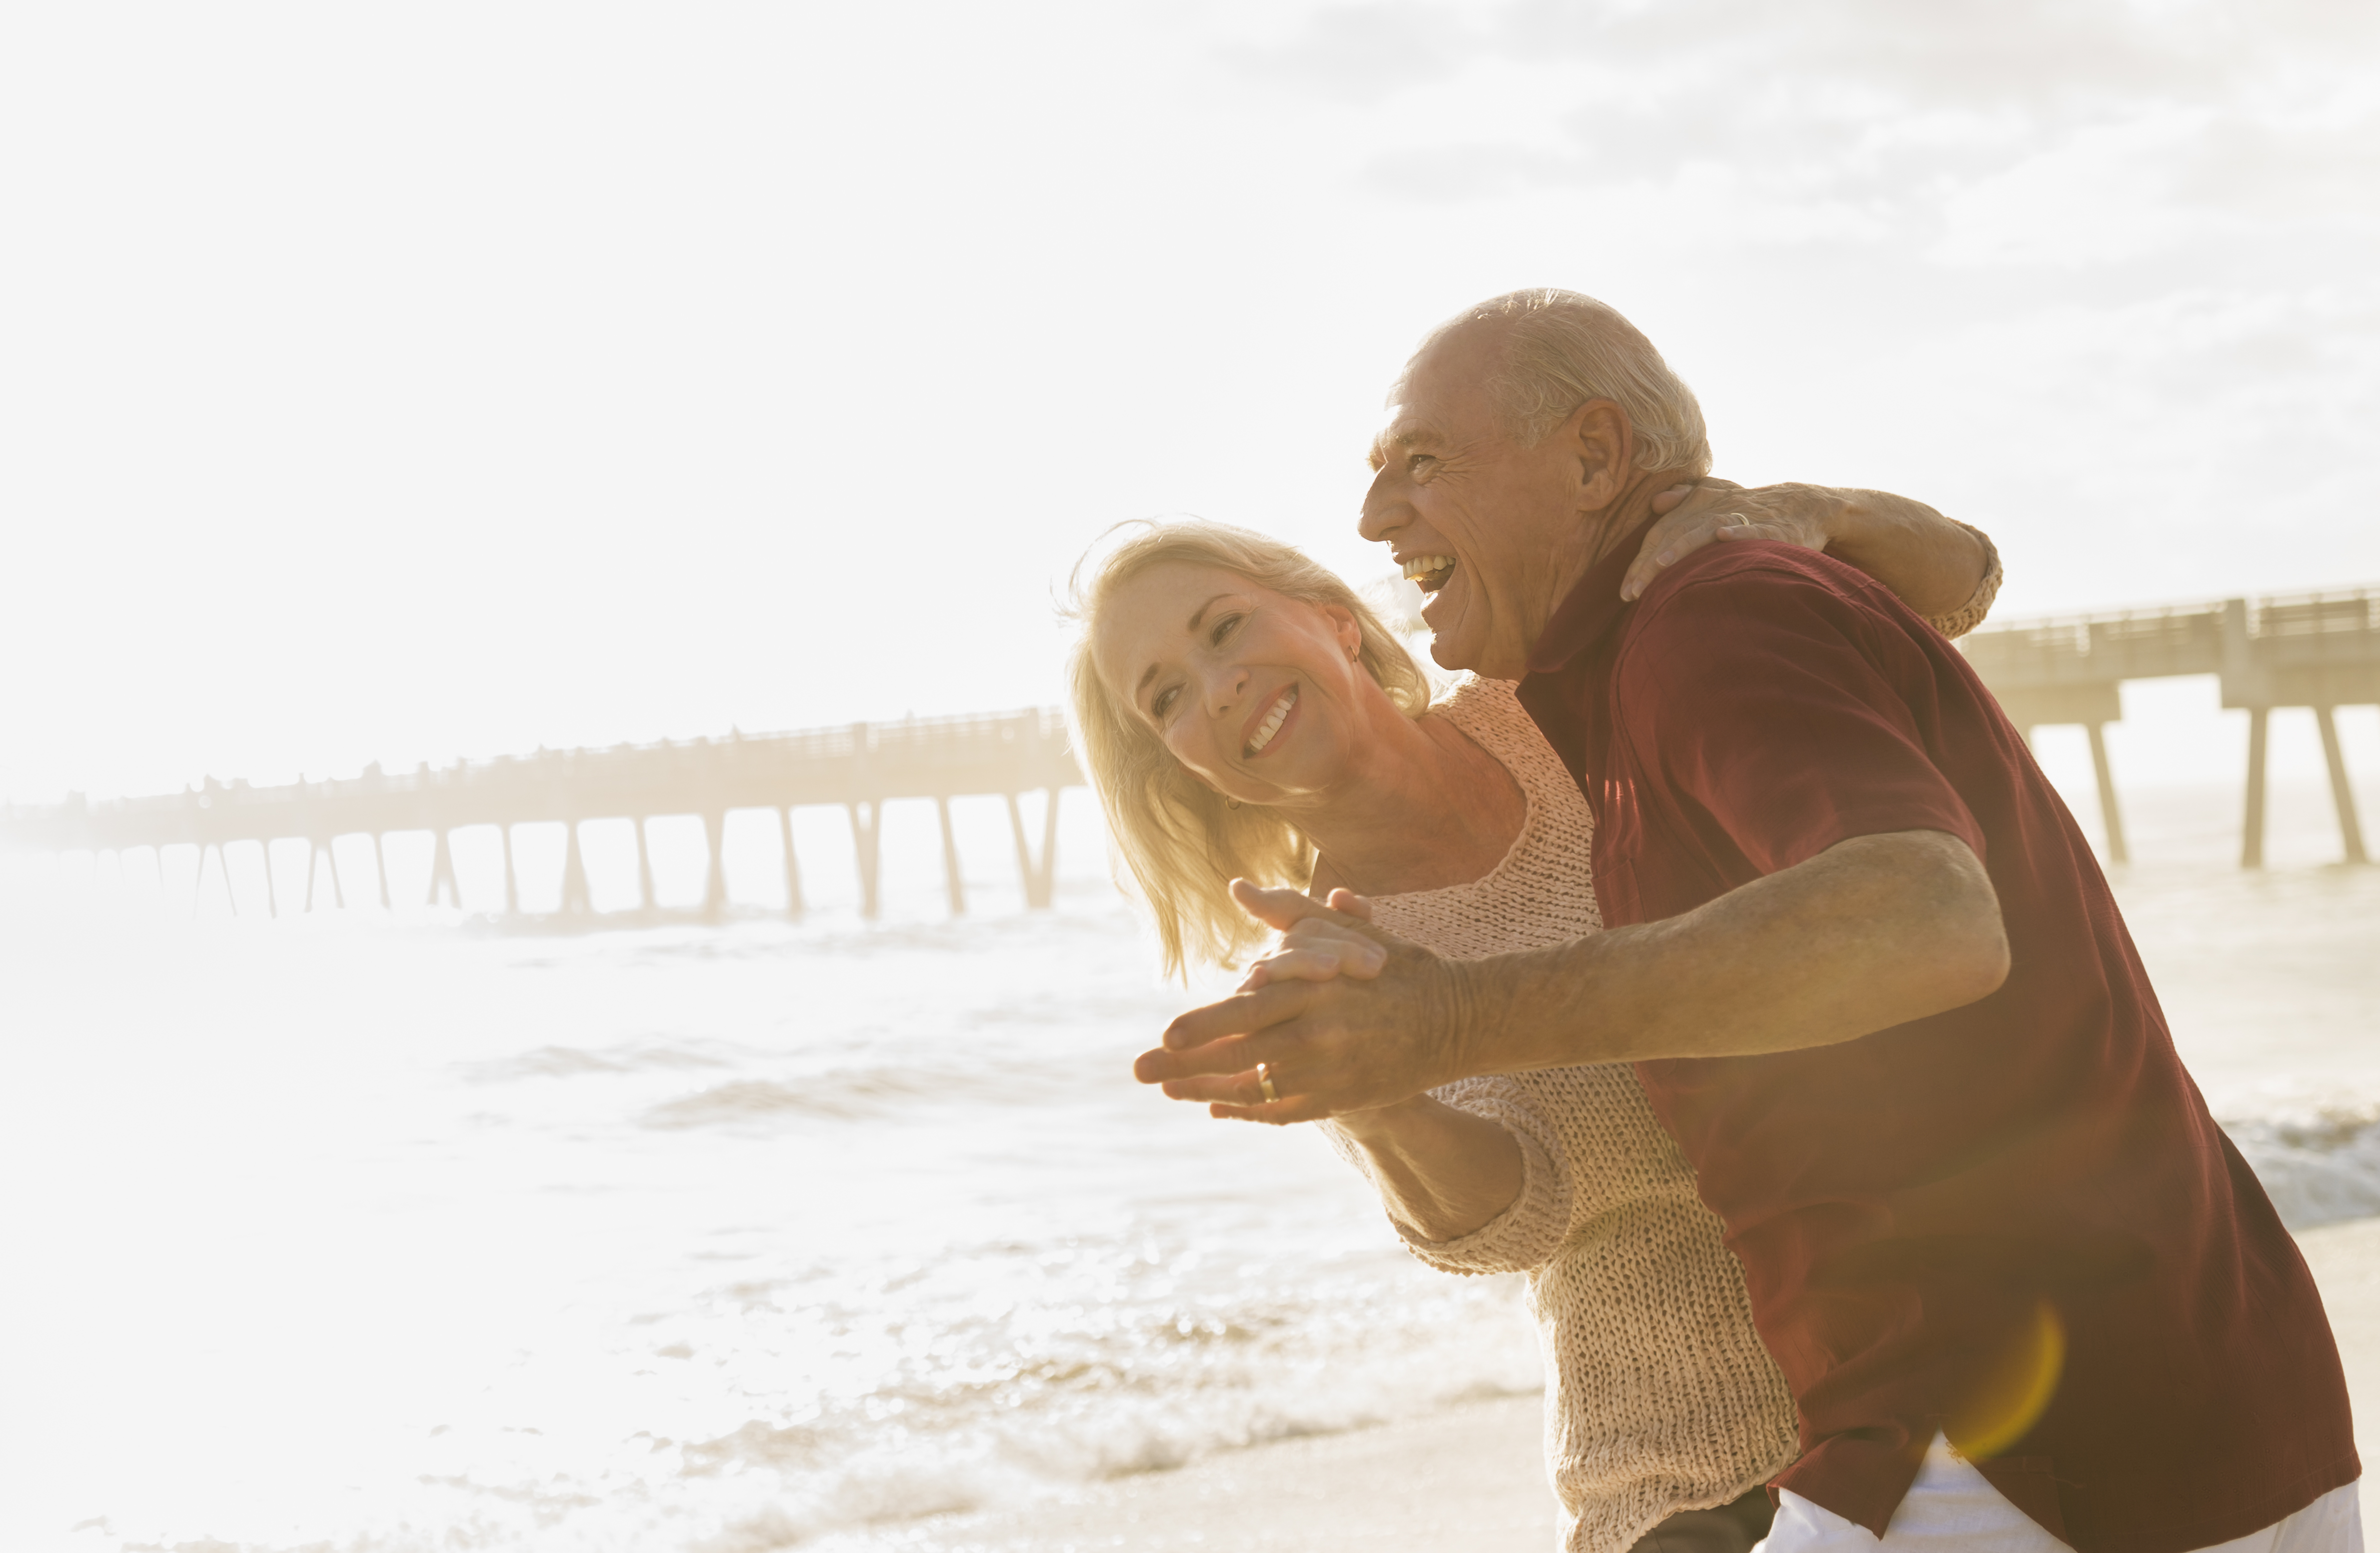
(859, 767)
(2311, 650)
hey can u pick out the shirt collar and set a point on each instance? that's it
(1587, 616)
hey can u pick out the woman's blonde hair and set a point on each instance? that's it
(1182, 840)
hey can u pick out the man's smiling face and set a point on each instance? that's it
(1486, 526)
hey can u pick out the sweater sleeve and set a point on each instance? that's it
(1527, 1235)
(1969, 615)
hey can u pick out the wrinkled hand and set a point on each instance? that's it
(1344, 1017)
(1696, 515)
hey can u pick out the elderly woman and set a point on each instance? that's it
(1244, 714)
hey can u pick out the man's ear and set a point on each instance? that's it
(1598, 436)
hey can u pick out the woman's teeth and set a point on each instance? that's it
(1271, 725)
(1430, 571)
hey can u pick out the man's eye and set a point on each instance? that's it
(1419, 462)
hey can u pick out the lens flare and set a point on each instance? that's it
(2014, 1391)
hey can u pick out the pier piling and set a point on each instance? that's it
(576, 900)
(223, 867)
(2251, 824)
(2111, 817)
(318, 849)
(2342, 795)
(714, 887)
(442, 874)
(865, 835)
(792, 866)
(951, 858)
(643, 869)
(1041, 878)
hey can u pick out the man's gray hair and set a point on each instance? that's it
(1563, 350)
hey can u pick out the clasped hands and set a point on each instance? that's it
(1344, 1016)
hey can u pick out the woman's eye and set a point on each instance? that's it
(1224, 627)
(1159, 707)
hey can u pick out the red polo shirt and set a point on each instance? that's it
(2015, 1222)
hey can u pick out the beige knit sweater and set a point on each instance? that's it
(1661, 1397)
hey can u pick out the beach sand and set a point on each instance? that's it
(1469, 1480)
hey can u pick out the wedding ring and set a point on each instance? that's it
(1264, 1082)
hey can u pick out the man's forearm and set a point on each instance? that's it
(1932, 562)
(1871, 933)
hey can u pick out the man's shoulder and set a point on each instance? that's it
(1751, 566)
(1748, 580)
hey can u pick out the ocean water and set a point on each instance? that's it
(394, 1233)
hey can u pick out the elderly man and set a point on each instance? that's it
(2025, 1291)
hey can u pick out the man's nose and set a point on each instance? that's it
(1385, 510)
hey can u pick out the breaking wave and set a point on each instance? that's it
(2319, 1167)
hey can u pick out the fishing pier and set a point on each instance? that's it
(2320, 651)
(859, 768)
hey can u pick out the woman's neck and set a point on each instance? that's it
(1427, 809)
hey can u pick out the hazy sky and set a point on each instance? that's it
(406, 381)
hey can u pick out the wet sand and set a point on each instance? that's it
(2346, 1262)
(1468, 1480)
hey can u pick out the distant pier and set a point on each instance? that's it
(859, 768)
(2320, 651)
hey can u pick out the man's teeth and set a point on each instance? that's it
(1423, 567)
(1271, 725)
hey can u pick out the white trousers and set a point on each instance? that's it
(1951, 1508)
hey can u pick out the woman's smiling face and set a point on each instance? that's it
(1259, 694)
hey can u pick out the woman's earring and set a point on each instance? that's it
(1231, 803)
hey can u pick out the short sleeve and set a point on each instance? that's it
(1788, 712)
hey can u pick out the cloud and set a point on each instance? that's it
(1367, 54)
(2026, 132)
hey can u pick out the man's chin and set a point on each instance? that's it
(1460, 644)
(1449, 655)
(1475, 657)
